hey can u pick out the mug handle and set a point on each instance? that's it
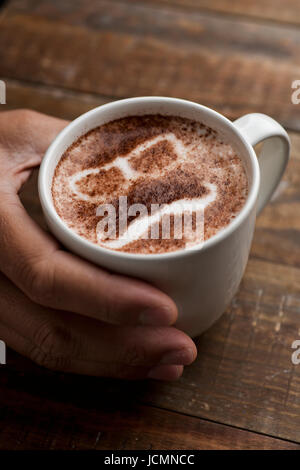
(274, 154)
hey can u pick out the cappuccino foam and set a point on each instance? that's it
(166, 165)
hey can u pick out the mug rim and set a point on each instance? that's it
(50, 211)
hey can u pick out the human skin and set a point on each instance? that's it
(61, 311)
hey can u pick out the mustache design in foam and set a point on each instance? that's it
(124, 165)
(140, 226)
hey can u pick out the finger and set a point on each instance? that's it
(72, 343)
(62, 362)
(25, 136)
(130, 352)
(166, 373)
(58, 279)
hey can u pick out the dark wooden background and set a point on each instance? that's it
(243, 392)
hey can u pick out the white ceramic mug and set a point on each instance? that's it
(202, 281)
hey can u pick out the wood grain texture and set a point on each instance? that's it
(55, 101)
(128, 49)
(275, 10)
(46, 412)
(71, 56)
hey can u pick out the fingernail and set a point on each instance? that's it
(166, 372)
(157, 317)
(180, 356)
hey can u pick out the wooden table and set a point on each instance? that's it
(243, 392)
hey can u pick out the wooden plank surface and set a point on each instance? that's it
(243, 377)
(55, 101)
(191, 55)
(275, 10)
(36, 416)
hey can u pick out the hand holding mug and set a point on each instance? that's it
(60, 310)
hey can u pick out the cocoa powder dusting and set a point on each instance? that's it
(151, 159)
